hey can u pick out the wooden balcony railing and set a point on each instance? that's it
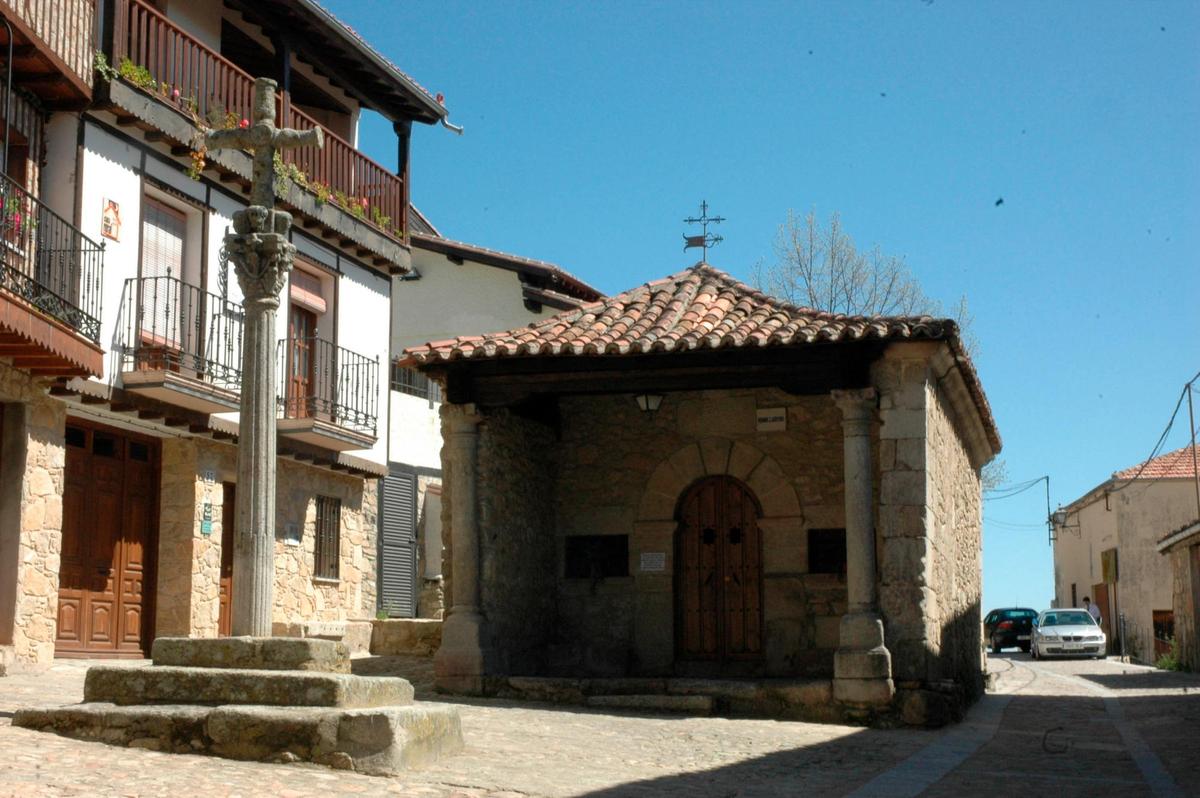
(65, 26)
(163, 59)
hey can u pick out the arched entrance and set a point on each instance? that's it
(718, 573)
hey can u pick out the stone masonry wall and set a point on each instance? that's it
(32, 461)
(516, 521)
(622, 471)
(189, 561)
(956, 522)
(1187, 634)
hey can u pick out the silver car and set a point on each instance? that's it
(1067, 633)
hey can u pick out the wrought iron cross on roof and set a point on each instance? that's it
(705, 239)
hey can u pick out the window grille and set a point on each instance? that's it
(328, 538)
(413, 382)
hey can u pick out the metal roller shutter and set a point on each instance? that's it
(398, 544)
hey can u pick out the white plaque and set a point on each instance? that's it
(654, 561)
(209, 476)
(772, 419)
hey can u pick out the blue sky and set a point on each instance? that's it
(592, 129)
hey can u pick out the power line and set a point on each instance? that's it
(1161, 438)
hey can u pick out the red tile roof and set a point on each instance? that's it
(1172, 465)
(698, 308)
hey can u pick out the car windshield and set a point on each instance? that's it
(1075, 618)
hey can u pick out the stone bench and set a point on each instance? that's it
(419, 636)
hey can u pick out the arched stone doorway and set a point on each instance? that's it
(718, 573)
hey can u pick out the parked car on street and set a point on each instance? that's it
(1067, 633)
(1009, 628)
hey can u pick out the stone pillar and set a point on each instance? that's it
(465, 651)
(262, 256)
(862, 665)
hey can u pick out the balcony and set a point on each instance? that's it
(329, 394)
(156, 56)
(181, 345)
(52, 49)
(50, 287)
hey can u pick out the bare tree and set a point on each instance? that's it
(823, 269)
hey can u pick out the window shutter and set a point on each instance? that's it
(398, 544)
(163, 232)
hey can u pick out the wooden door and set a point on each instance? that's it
(718, 573)
(225, 589)
(109, 528)
(302, 332)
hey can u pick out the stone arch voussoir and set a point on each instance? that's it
(711, 456)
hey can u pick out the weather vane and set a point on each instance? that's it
(705, 239)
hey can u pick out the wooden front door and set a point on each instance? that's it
(109, 530)
(225, 588)
(718, 573)
(302, 332)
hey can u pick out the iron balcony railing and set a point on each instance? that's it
(410, 381)
(321, 380)
(47, 262)
(173, 326)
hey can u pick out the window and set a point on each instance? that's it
(328, 538)
(827, 551)
(164, 236)
(411, 381)
(597, 556)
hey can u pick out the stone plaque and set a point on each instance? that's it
(771, 419)
(653, 561)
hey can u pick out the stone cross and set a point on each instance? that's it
(262, 257)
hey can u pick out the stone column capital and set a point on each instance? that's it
(462, 419)
(856, 404)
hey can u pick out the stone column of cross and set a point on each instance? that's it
(262, 257)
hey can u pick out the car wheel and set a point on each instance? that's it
(995, 646)
(1025, 648)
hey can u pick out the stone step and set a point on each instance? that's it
(683, 704)
(382, 741)
(265, 653)
(161, 684)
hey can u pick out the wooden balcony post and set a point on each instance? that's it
(403, 130)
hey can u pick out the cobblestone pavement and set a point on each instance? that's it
(1050, 729)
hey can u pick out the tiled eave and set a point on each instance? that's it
(42, 345)
(164, 125)
(1189, 533)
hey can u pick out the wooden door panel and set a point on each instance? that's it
(719, 573)
(225, 587)
(69, 609)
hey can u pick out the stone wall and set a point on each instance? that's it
(189, 561)
(622, 471)
(929, 528)
(516, 522)
(32, 461)
(1185, 591)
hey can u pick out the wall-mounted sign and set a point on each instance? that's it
(110, 220)
(653, 562)
(209, 476)
(206, 519)
(771, 419)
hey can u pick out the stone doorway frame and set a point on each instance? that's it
(655, 526)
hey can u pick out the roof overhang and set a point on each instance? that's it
(328, 44)
(1187, 534)
(552, 277)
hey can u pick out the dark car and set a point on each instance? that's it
(1009, 628)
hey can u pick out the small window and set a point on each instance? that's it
(827, 551)
(597, 556)
(105, 445)
(139, 452)
(76, 436)
(328, 538)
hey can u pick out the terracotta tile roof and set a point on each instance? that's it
(1172, 465)
(697, 309)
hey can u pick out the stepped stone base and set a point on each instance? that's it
(791, 699)
(682, 704)
(212, 686)
(380, 741)
(355, 635)
(265, 653)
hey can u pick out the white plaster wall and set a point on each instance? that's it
(362, 327)
(1089, 531)
(57, 177)
(110, 171)
(200, 18)
(416, 432)
(451, 300)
